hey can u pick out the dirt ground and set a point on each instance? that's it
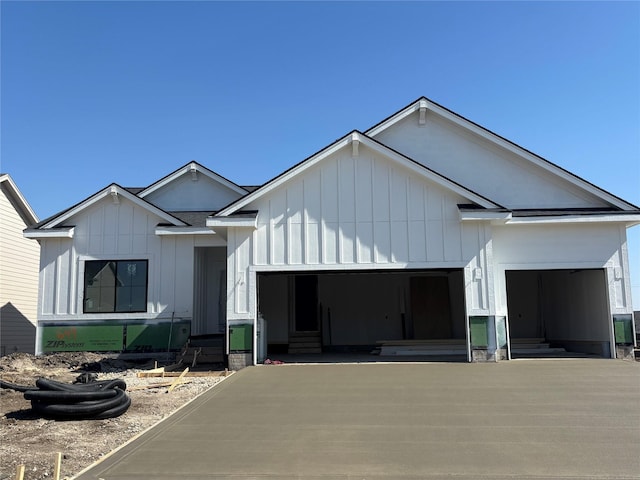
(30, 440)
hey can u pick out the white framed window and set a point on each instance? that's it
(115, 286)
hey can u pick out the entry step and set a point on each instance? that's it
(305, 342)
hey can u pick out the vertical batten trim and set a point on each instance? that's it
(356, 241)
(340, 245)
(443, 226)
(56, 280)
(407, 201)
(287, 234)
(374, 250)
(391, 172)
(270, 235)
(73, 279)
(323, 240)
(425, 216)
(305, 226)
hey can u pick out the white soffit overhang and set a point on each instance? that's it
(508, 218)
(482, 215)
(169, 230)
(194, 169)
(115, 192)
(425, 107)
(354, 140)
(61, 232)
(628, 219)
(250, 221)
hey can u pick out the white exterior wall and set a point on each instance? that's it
(185, 193)
(467, 158)
(568, 246)
(19, 259)
(364, 212)
(108, 231)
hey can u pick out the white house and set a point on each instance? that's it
(425, 234)
(18, 271)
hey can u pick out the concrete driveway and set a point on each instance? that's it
(528, 419)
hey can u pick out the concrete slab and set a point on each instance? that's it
(527, 419)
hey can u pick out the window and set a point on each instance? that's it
(113, 286)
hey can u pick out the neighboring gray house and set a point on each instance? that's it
(19, 267)
(425, 234)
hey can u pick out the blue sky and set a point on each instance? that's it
(126, 92)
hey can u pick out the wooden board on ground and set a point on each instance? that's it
(154, 385)
(150, 374)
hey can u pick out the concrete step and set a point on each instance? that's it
(518, 350)
(304, 338)
(305, 344)
(305, 350)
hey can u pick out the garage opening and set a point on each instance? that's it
(398, 314)
(558, 312)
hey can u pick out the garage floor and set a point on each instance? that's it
(529, 419)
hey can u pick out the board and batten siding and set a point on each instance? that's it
(569, 246)
(364, 212)
(19, 258)
(108, 231)
(466, 158)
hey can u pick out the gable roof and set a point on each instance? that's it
(193, 168)
(113, 190)
(424, 105)
(355, 138)
(20, 203)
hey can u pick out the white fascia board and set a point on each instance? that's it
(628, 220)
(505, 144)
(355, 136)
(276, 182)
(485, 216)
(189, 168)
(64, 232)
(405, 112)
(217, 221)
(29, 215)
(113, 189)
(164, 230)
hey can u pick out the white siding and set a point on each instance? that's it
(481, 166)
(363, 212)
(183, 193)
(111, 231)
(19, 259)
(371, 212)
(522, 247)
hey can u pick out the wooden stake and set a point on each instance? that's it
(20, 472)
(153, 385)
(56, 468)
(178, 380)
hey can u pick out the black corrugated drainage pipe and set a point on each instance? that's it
(63, 401)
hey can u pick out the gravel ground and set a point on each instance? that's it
(32, 441)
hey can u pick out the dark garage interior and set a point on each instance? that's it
(561, 310)
(402, 312)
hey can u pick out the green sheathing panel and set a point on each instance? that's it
(154, 337)
(82, 338)
(479, 334)
(241, 338)
(116, 336)
(623, 329)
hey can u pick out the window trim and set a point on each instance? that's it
(82, 281)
